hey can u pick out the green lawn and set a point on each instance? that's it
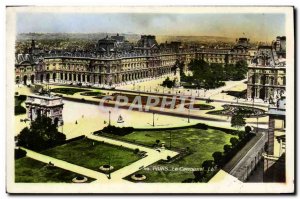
(33, 171)
(202, 143)
(92, 154)
(68, 90)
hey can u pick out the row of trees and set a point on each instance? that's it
(236, 144)
(221, 158)
(212, 75)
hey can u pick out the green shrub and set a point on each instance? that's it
(201, 126)
(19, 153)
(20, 110)
(120, 131)
(68, 91)
(136, 150)
(247, 129)
(22, 98)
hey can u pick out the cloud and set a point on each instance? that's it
(258, 26)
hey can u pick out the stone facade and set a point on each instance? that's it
(112, 65)
(50, 106)
(266, 75)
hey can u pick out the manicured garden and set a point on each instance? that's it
(93, 154)
(28, 170)
(68, 90)
(201, 106)
(194, 144)
(92, 93)
(229, 110)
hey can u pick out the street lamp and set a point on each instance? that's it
(257, 123)
(188, 115)
(170, 139)
(109, 112)
(153, 119)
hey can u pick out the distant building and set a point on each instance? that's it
(50, 106)
(147, 44)
(280, 46)
(240, 51)
(106, 45)
(116, 61)
(266, 75)
(118, 38)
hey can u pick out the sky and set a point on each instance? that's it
(262, 27)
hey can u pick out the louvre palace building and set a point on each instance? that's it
(115, 61)
(267, 72)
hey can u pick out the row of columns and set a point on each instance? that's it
(261, 92)
(69, 77)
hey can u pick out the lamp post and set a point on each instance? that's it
(109, 112)
(257, 123)
(253, 104)
(170, 139)
(153, 119)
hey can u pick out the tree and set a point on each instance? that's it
(199, 175)
(207, 164)
(168, 83)
(234, 141)
(241, 135)
(247, 130)
(206, 75)
(236, 71)
(41, 135)
(241, 68)
(227, 149)
(218, 158)
(237, 120)
(19, 153)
